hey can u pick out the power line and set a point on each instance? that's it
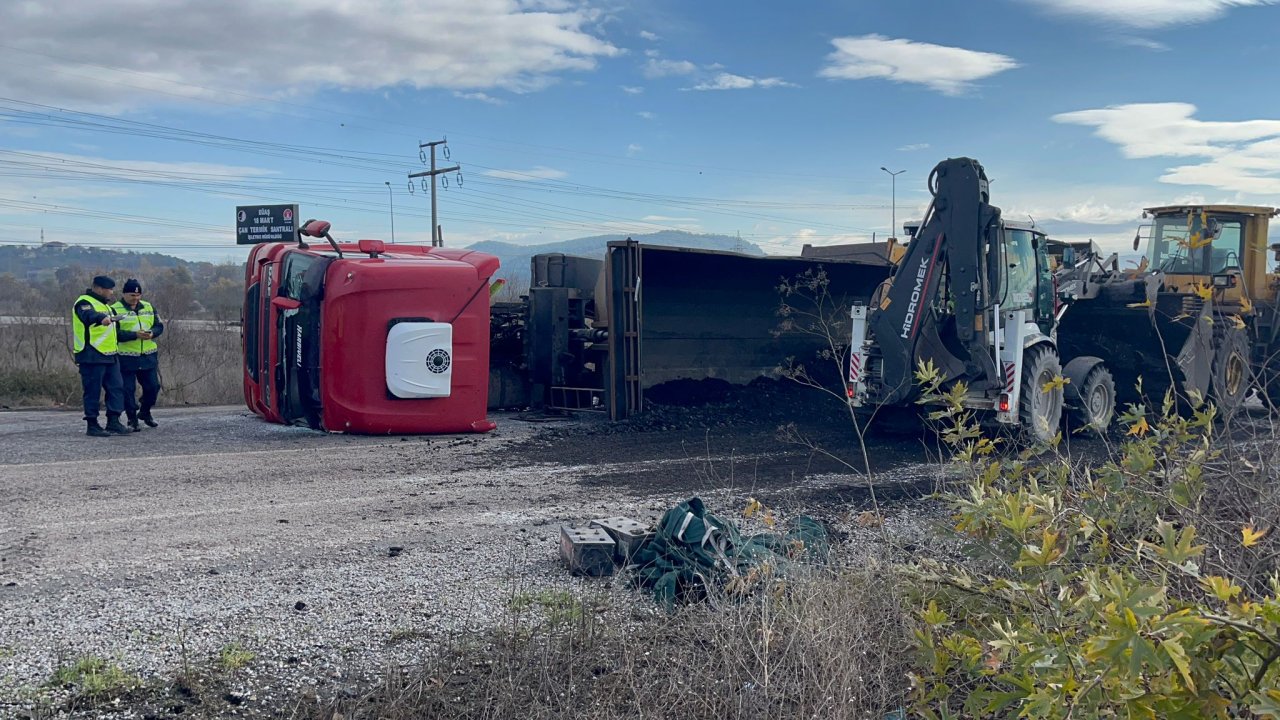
(320, 192)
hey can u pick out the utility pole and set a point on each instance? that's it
(391, 200)
(436, 240)
(893, 229)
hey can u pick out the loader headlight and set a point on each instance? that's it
(1224, 281)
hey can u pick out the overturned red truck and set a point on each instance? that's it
(384, 338)
(369, 337)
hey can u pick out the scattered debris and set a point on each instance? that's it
(691, 551)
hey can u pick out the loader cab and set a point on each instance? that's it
(1224, 246)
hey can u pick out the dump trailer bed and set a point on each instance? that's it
(677, 314)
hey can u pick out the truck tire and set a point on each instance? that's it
(1040, 412)
(1232, 377)
(1093, 403)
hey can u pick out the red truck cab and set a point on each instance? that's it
(368, 338)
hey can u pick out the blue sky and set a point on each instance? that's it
(143, 124)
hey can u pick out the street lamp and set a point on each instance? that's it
(893, 229)
(392, 202)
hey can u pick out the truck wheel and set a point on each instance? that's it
(1231, 376)
(1040, 412)
(1094, 400)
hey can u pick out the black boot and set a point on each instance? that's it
(133, 422)
(95, 430)
(145, 416)
(114, 426)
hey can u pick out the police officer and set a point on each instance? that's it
(139, 363)
(94, 343)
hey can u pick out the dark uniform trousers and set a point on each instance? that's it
(96, 377)
(149, 379)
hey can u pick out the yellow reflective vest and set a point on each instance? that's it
(100, 337)
(144, 318)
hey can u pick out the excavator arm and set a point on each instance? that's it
(934, 307)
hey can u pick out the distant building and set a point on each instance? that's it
(53, 245)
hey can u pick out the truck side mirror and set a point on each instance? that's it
(284, 303)
(1137, 238)
(315, 228)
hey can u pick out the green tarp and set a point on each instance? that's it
(693, 552)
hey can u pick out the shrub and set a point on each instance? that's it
(1090, 591)
(36, 388)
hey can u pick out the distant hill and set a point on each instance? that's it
(516, 258)
(35, 262)
(39, 262)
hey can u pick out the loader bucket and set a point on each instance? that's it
(1163, 340)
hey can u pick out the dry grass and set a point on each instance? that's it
(834, 645)
(200, 367)
(197, 367)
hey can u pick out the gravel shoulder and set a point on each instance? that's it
(328, 557)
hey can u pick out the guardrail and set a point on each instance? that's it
(207, 325)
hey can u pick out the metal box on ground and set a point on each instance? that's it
(627, 534)
(587, 551)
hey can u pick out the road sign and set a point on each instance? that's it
(266, 223)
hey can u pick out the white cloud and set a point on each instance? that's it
(684, 223)
(1240, 156)
(63, 178)
(651, 37)
(729, 81)
(657, 67)
(913, 147)
(231, 49)
(632, 90)
(634, 149)
(537, 173)
(1089, 212)
(480, 97)
(1147, 13)
(949, 70)
(194, 172)
(1143, 43)
(646, 115)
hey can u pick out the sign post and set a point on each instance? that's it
(266, 223)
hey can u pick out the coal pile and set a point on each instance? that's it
(704, 404)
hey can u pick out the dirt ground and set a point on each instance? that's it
(331, 557)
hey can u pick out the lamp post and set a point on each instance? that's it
(893, 183)
(392, 202)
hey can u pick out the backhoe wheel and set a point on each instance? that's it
(1232, 377)
(1040, 410)
(1094, 401)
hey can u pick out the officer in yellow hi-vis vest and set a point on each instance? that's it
(93, 339)
(139, 364)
